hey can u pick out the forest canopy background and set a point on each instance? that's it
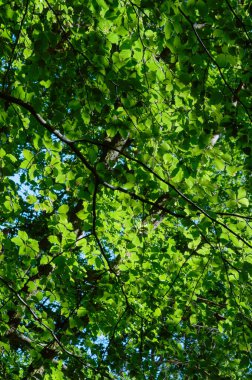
(125, 189)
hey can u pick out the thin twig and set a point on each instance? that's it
(234, 215)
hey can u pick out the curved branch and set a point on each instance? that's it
(72, 146)
(241, 23)
(233, 92)
(32, 312)
(29, 108)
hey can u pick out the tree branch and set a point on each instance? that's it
(47, 126)
(235, 215)
(72, 146)
(241, 23)
(32, 312)
(215, 63)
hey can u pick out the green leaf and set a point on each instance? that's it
(81, 312)
(63, 209)
(113, 38)
(45, 84)
(157, 313)
(72, 322)
(27, 155)
(22, 235)
(220, 164)
(44, 260)
(27, 53)
(193, 319)
(17, 240)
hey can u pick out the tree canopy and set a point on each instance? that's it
(125, 189)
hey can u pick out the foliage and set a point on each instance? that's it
(125, 189)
